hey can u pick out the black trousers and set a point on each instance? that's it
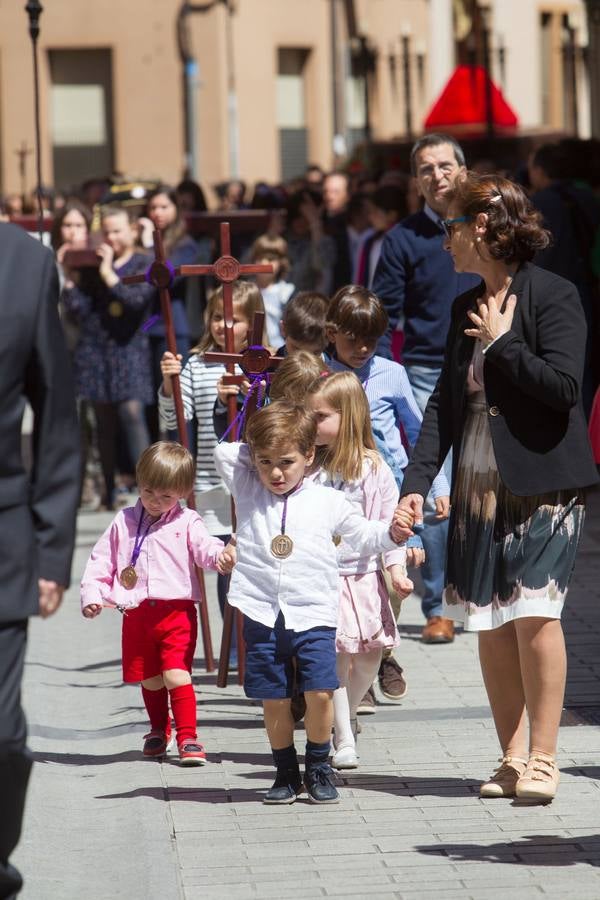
(15, 760)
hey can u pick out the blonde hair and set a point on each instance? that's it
(247, 299)
(282, 424)
(275, 249)
(344, 393)
(296, 375)
(166, 465)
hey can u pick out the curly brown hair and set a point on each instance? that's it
(514, 230)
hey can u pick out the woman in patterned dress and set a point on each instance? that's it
(509, 403)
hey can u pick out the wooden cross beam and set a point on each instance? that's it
(160, 275)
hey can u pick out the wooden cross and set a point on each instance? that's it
(160, 275)
(254, 362)
(228, 269)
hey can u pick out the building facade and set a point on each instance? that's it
(258, 88)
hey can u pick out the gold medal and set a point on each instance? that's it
(115, 309)
(128, 578)
(281, 546)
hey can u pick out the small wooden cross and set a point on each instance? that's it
(160, 274)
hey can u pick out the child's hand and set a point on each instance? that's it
(415, 556)
(92, 610)
(107, 273)
(227, 559)
(170, 365)
(400, 581)
(245, 386)
(226, 390)
(442, 507)
(146, 229)
(408, 512)
(401, 527)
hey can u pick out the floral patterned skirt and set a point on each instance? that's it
(508, 556)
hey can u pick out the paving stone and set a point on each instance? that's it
(410, 824)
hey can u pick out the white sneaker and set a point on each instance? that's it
(345, 758)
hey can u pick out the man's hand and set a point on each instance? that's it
(51, 595)
(415, 556)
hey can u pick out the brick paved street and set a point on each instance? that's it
(102, 822)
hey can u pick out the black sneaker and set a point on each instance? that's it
(286, 787)
(319, 782)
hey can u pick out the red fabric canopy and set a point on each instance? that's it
(463, 101)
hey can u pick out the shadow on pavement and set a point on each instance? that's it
(86, 759)
(533, 849)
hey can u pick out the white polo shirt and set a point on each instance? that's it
(305, 586)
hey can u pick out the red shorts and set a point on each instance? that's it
(158, 635)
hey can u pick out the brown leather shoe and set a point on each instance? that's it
(438, 631)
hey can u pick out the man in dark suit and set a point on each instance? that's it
(37, 505)
(416, 282)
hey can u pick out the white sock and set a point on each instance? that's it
(362, 674)
(341, 708)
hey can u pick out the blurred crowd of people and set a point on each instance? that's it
(320, 231)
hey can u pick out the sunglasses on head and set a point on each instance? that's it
(448, 224)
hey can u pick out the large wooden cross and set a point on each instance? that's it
(160, 274)
(228, 269)
(254, 361)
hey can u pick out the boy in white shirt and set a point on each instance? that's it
(286, 584)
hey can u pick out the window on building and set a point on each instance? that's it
(546, 62)
(291, 111)
(81, 120)
(559, 55)
(356, 110)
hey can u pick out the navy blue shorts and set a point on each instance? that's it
(270, 655)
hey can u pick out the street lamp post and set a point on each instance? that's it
(407, 82)
(593, 59)
(485, 47)
(34, 9)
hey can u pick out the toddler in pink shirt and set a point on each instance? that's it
(144, 565)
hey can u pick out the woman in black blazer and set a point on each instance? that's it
(508, 404)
